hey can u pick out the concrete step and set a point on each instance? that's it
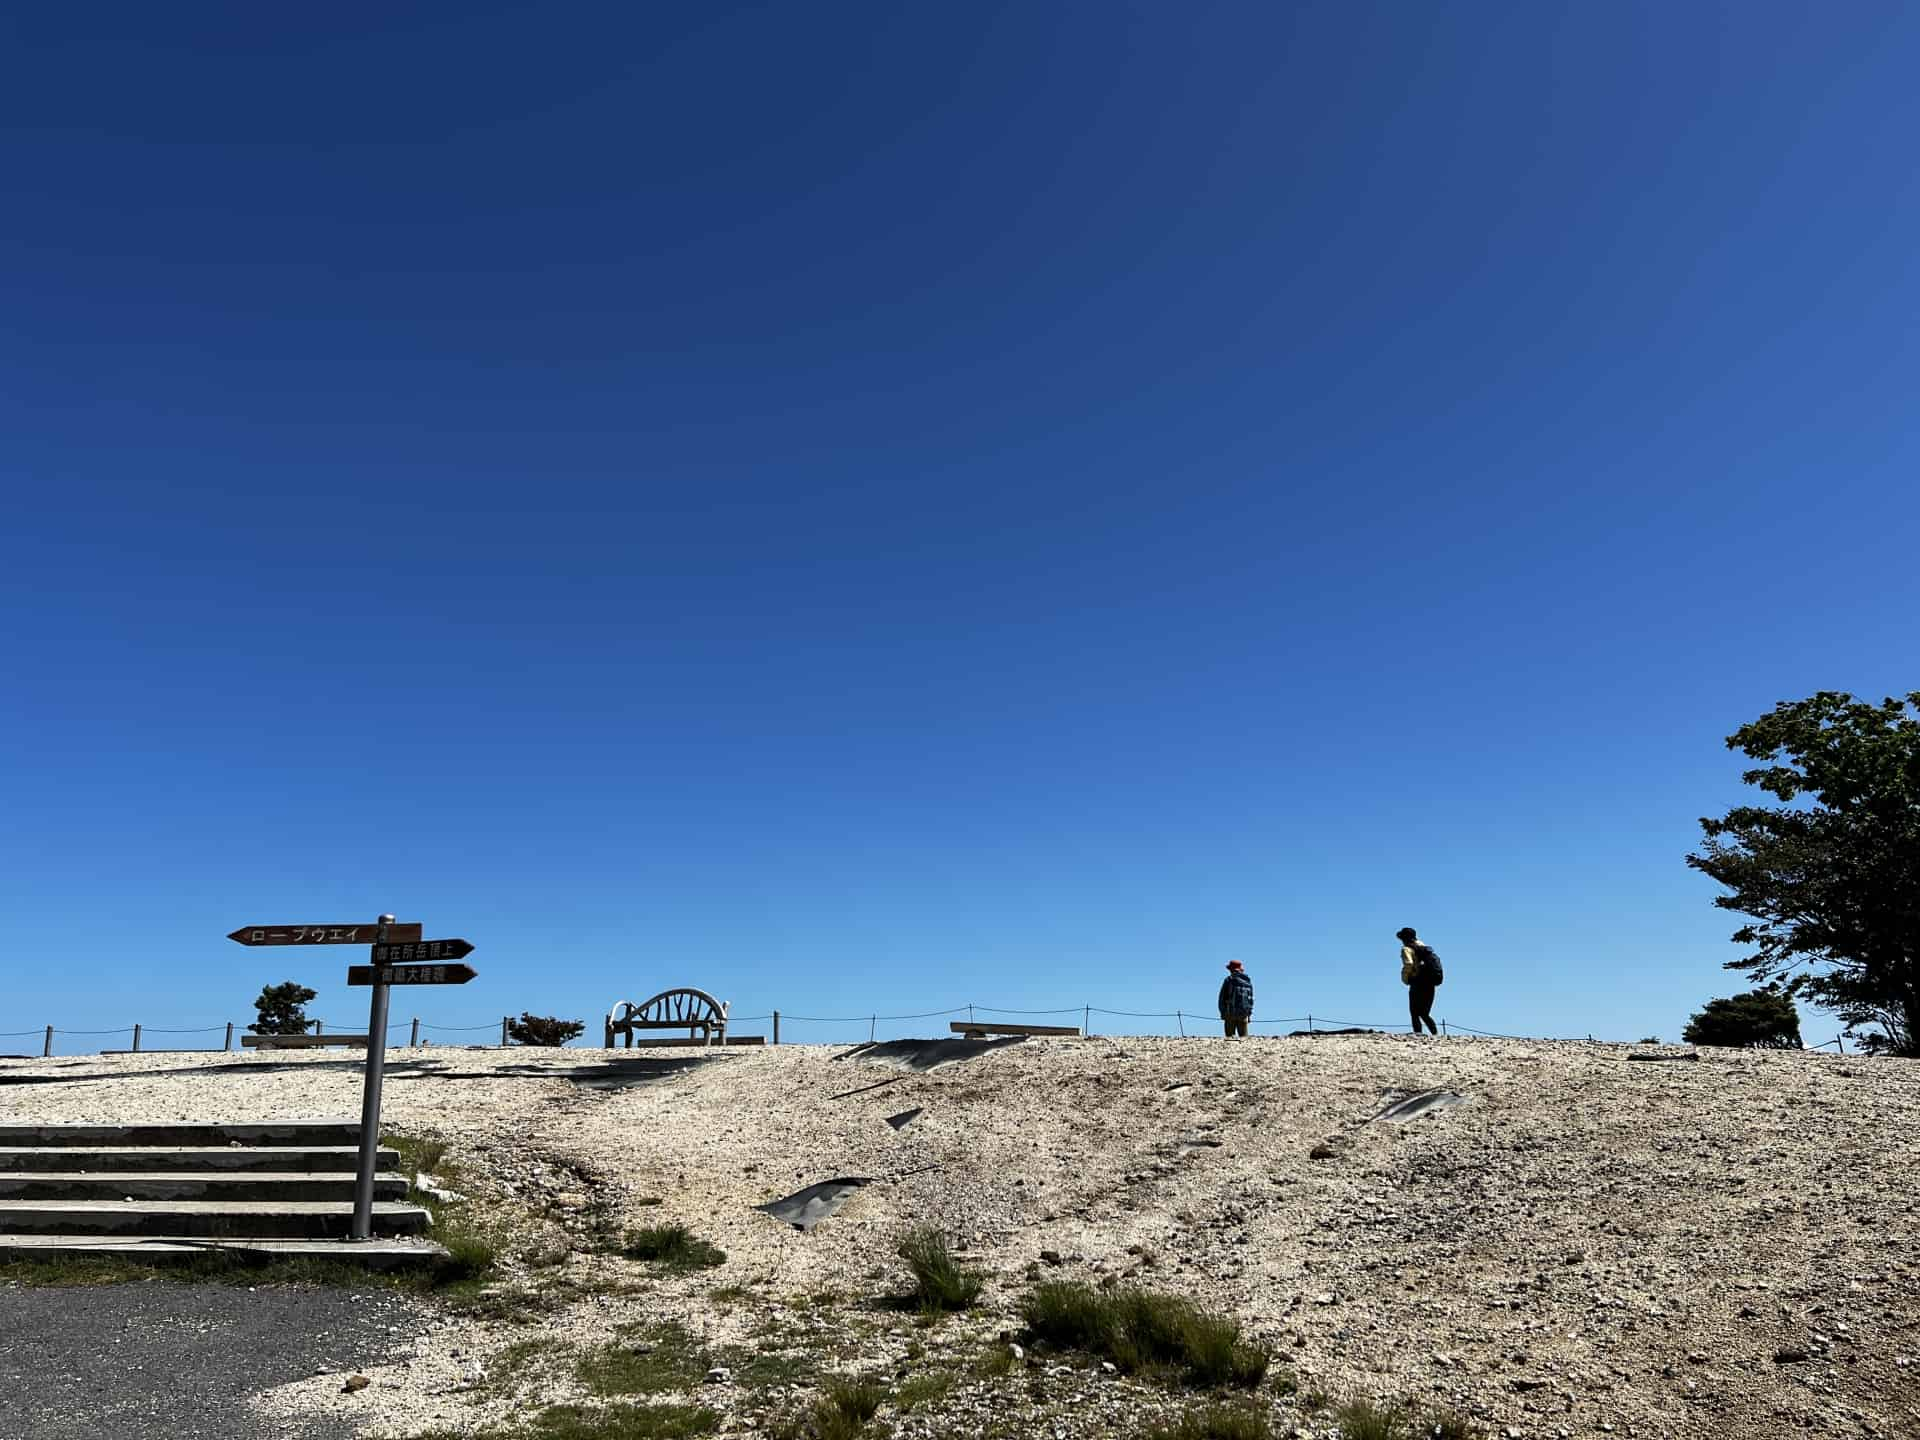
(131, 1185)
(381, 1253)
(178, 1160)
(214, 1219)
(284, 1132)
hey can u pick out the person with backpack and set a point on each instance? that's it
(1420, 972)
(1236, 999)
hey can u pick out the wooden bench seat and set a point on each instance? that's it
(694, 1011)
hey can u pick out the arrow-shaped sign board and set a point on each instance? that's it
(410, 974)
(419, 950)
(326, 934)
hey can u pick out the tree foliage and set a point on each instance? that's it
(542, 1030)
(1830, 876)
(1761, 1019)
(282, 1009)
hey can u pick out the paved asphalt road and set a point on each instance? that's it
(167, 1361)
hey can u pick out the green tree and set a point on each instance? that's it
(542, 1030)
(1831, 876)
(1763, 1019)
(282, 1009)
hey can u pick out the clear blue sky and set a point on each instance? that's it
(874, 507)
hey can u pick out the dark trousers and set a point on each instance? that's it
(1420, 1006)
(1236, 1024)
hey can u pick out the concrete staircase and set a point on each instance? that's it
(162, 1192)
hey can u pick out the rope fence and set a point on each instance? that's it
(1174, 1024)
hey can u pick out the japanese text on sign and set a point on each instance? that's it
(425, 950)
(418, 975)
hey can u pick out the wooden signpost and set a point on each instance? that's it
(323, 934)
(400, 957)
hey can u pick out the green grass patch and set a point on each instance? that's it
(846, 1407)
(995, 1362)
(674, 1248)
(923, 1390)
(653, 1361)
(763, 1369)
(940, 1283)
(1397, 1420)
(1143, 1331)
(612, 1422)
(419, 1155)
(1218, 1422)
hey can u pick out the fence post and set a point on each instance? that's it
(1443, 1027)
(776, 1027)
(1841, 1042)
(136, 1039)
(229, 1042)
(49, 1047)
(1309, 1024)
(1086, 1021)
(505, 1020)
(873, 1024)
(319, 1027)
(1181, 1021)
(413, 1041)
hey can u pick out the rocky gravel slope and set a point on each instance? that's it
(1583, 1245)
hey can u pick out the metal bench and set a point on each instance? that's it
(981, 1029)
(694, 1011)
(301, 1042)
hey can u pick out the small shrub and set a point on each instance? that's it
(939, 1281)
(1141, 1330)
(1218, 1422)
(673, 1247)
(543, 1030)
(282, 1009)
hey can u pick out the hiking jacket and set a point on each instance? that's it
(1236, 996)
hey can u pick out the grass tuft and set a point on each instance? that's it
(1218, 1422)
(674, 1248)
(614, 1422)
(843, 1412)
(940, 1283)
(651, 1362)
(1141, 1330)
(929, 1387)
(1395, 1420)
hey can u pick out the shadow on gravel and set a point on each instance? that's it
(926, 1054)
(1413, 1106)
(806, 1208)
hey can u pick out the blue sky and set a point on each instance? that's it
(871, 508)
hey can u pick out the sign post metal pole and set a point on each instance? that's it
(370, 1102)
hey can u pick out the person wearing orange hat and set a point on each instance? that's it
(1236, 998)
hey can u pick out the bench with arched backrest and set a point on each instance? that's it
(694, 1011)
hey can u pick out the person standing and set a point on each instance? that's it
(1420, 972)
(1236, 999)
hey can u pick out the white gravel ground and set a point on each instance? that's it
(1585, 1246)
